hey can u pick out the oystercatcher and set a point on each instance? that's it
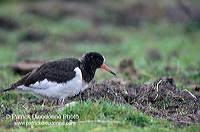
(61, 78)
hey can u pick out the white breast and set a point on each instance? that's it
(48, 89)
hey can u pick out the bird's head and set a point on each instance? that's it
(94, 60)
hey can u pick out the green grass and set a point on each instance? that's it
(94, 115)
(135, 42)
(98, 116)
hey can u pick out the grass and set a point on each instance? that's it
(98, 116)
(177, 48)
(94, 115)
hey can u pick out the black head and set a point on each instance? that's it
(93, 61)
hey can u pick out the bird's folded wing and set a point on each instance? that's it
(52, 73)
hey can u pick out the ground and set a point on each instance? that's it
(152, 46)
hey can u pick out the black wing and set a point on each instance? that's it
(55, 71)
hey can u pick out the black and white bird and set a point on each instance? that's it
(61, 78)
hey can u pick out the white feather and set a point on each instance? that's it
(48, 89)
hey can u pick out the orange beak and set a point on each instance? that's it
(105, 67)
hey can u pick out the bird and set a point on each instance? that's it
(61, 78)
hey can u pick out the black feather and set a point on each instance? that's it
(11, 88)
(59, 71)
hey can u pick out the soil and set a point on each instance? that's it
(137, 13)
(127, 67)
(33, 35)
(48, 13)
(8, 23)
(120, 14)
(91, 37)
(154, 54)
(27, 66)
(183, 11)
(195, 87)
(162, 99)
(57, 10)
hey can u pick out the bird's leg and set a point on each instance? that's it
(52, 103)
(44, 102)
(61, 102)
